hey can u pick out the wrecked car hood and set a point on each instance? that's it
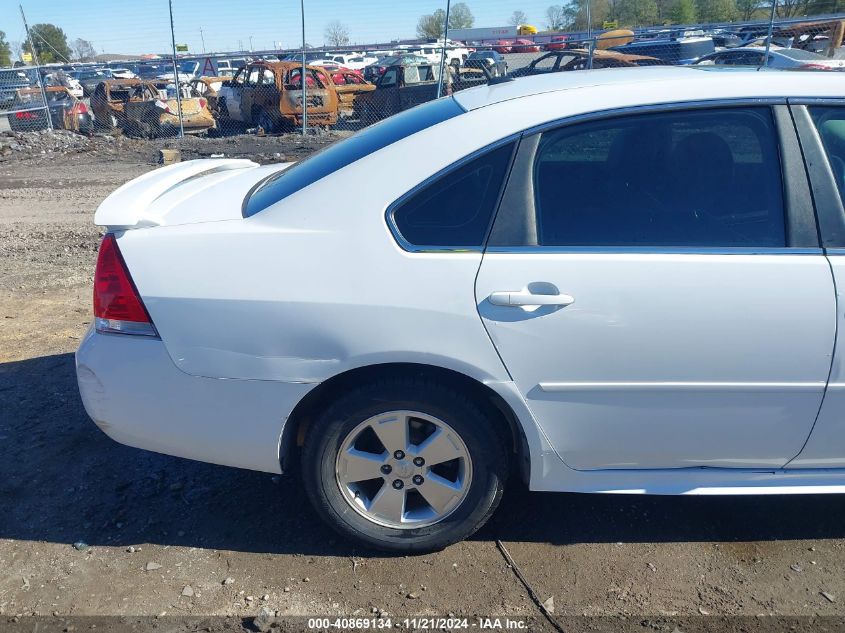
(205, 190)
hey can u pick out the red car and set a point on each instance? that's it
(558, 43)
(503, 46)
(525, 46)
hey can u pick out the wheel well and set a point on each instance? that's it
(491, 403)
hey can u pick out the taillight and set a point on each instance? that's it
(26, 116)
(815, 67)
(118, 307)
(203, 102)
(81, 108)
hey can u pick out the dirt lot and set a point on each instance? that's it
(147, 526)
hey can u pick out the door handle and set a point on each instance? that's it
(525, 298)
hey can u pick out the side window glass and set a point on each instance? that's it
(388, 79)
(546, 63)
(830, 122)
(455, 210)
(253, 76)
(706, 178)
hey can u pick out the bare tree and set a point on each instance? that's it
(84, 50)
(517, 18)
(557, 17)
(336, 34)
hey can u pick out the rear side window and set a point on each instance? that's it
(706, 178)
(345, 152)
(830, 122)
(455, 209)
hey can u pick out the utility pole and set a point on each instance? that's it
(443, 49)
(203, 40)
(176, 72)
(250, 44)
(769, 38)
(37, 69)
(590, 35)
(302, 78)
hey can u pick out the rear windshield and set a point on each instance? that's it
(347, 151)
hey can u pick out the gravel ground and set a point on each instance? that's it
(160, 536)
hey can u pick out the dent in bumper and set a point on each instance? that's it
(133, 392)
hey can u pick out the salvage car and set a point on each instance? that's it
(90, 79)
(491, 60)
(110, 97)
(269, 95)
(680, 248)
(208, 87)
(398, 88)
(158, 117)
(579, 59)
(66, 111)
(350, 85)
(143, 108)
(790, 58)
(12, 80)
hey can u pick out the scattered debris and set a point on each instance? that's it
(828, 596)
(228, 581)
(80, 546)
(549, 604)
(188, 591)
(264, 620)
(152, 566)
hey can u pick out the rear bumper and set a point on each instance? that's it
(136, 395)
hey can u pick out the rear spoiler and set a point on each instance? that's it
(128, 207)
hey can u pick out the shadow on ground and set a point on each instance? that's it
(64, 481)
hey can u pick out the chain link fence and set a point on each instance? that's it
(231, 88)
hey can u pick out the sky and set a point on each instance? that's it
(143, 26)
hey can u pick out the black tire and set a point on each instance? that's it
(486, 447)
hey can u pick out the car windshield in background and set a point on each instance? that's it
(189, 67)
(345, 152)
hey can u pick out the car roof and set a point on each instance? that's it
(666, 83)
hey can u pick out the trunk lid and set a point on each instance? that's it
(209, 190)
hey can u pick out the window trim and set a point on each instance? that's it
(407, 246)
(830, 208)
(790, 183)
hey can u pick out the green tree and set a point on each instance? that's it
(683, 12)
(517, 18)
(716, 10)
(460, 17)
(431, 26)
(50, 43)
(637, 12)
(5, 51)
(574, 14)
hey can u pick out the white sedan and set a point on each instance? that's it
(617, 280)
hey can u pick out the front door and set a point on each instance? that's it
(653, 302)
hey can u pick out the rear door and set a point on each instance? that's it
(821, 124)
(655, 287)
